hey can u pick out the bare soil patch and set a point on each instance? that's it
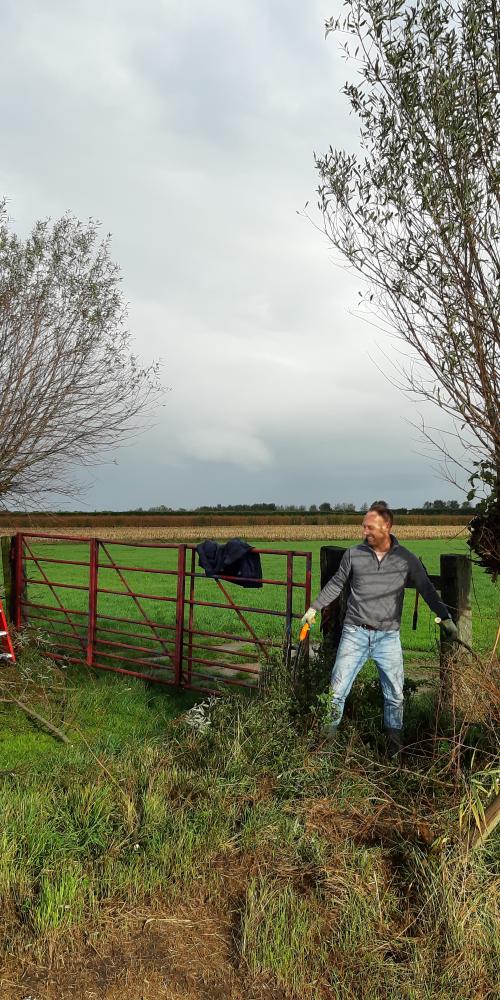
(140, 954)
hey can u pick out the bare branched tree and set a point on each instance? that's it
(418, 212)
(70, 388)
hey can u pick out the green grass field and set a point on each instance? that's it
(419, 644)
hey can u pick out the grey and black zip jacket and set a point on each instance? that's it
(376, 588)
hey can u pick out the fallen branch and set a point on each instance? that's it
(57, 733)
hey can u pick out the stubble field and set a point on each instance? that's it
(265, 532)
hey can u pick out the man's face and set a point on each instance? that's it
(376, 531)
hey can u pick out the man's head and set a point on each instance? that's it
(377, 524)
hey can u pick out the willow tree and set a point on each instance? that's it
(70, 387)
(417, 211)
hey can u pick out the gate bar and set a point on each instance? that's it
(179, 614)
(218, 664)
(131, 635)
(242, 607)
(244, 579)
(136, 602)
(93, 577)
(242, 618)
(191, 606)
(55, 583)
(52, 585)
(229, 635)
(133, 621)
(63, 562)
(52, 607)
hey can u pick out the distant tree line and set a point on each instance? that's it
(429, 507)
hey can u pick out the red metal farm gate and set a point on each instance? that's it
(94, 606)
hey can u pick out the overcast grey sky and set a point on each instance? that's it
(188, 129)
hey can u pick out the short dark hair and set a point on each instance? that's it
(380, 507)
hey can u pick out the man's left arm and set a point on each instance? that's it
(426, 589)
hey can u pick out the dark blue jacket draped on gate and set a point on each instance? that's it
(234, 558)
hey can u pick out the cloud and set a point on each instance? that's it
(221, 445)
(189, 130)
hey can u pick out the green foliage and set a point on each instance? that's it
(417, 213)
(281, 934)
(62, 900)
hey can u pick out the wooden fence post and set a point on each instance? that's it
(456, 579)
(332, 617)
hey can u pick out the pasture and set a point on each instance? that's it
(150, 580)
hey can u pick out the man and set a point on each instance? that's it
(377, 572)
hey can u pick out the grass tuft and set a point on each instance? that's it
(282, 935)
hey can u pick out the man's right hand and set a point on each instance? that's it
(449, 628)
(309, 617)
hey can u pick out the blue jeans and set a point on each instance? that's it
(357, 645)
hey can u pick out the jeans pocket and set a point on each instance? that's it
(353, 636)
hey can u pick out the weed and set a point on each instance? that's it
(281, 935)
(61, 901)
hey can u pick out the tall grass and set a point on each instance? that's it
(318, 857)
(282, 934)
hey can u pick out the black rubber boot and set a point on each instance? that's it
(394, 742)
